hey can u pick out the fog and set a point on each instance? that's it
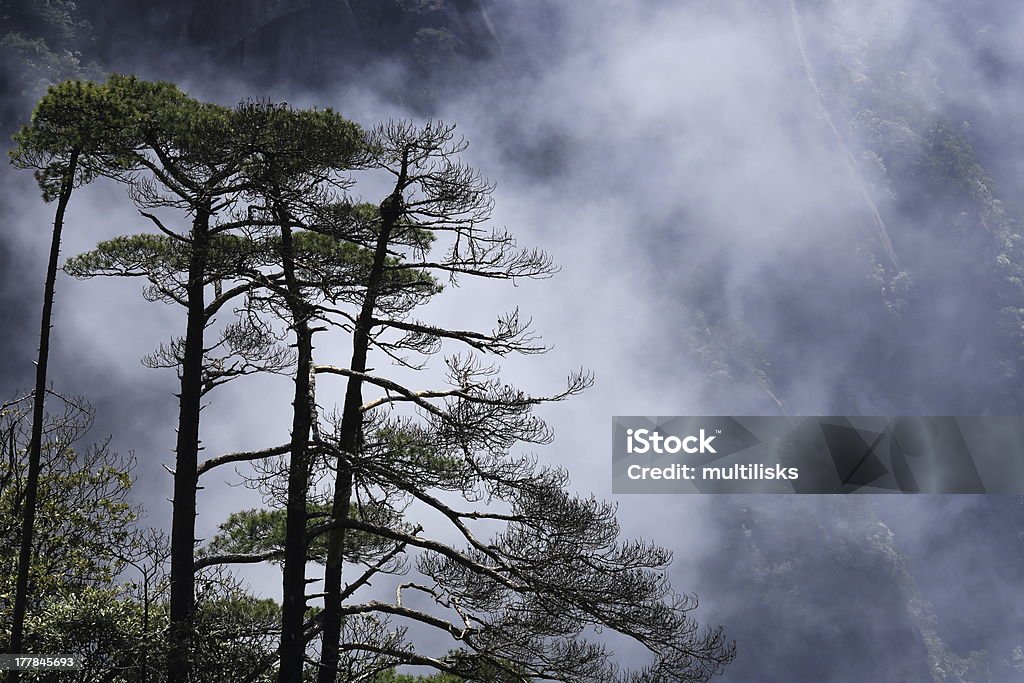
(704, 176)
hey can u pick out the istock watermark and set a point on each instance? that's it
(644, 440)
(896, 454)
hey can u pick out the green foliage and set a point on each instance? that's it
(102, 627)
(114, 637)
(332, 268)
(84, 517)
(338, 268)
(164, 260)
(262, 532)
(83, 533)
(193, 136)
(263, 191)
(43, 42)
(254, 532)
(40, 65)
(85, 539)
(236, 632)
(292, 148)
(79, 127)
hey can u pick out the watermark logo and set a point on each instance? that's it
(817, 454)
(646, 441)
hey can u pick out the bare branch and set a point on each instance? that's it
(242, 456)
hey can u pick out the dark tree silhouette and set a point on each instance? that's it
(418, 489)
(73, 137)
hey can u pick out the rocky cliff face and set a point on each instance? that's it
(819, 590)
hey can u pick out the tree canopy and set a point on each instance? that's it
(386, 484)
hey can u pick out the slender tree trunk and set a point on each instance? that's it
(351, 434)
(183, 520)
(293, 608)
(38, 412)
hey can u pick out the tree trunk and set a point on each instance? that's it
(351, 433)
(38, 413)
(293, 608)
(183, 521)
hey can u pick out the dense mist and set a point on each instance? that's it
(789, 207)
